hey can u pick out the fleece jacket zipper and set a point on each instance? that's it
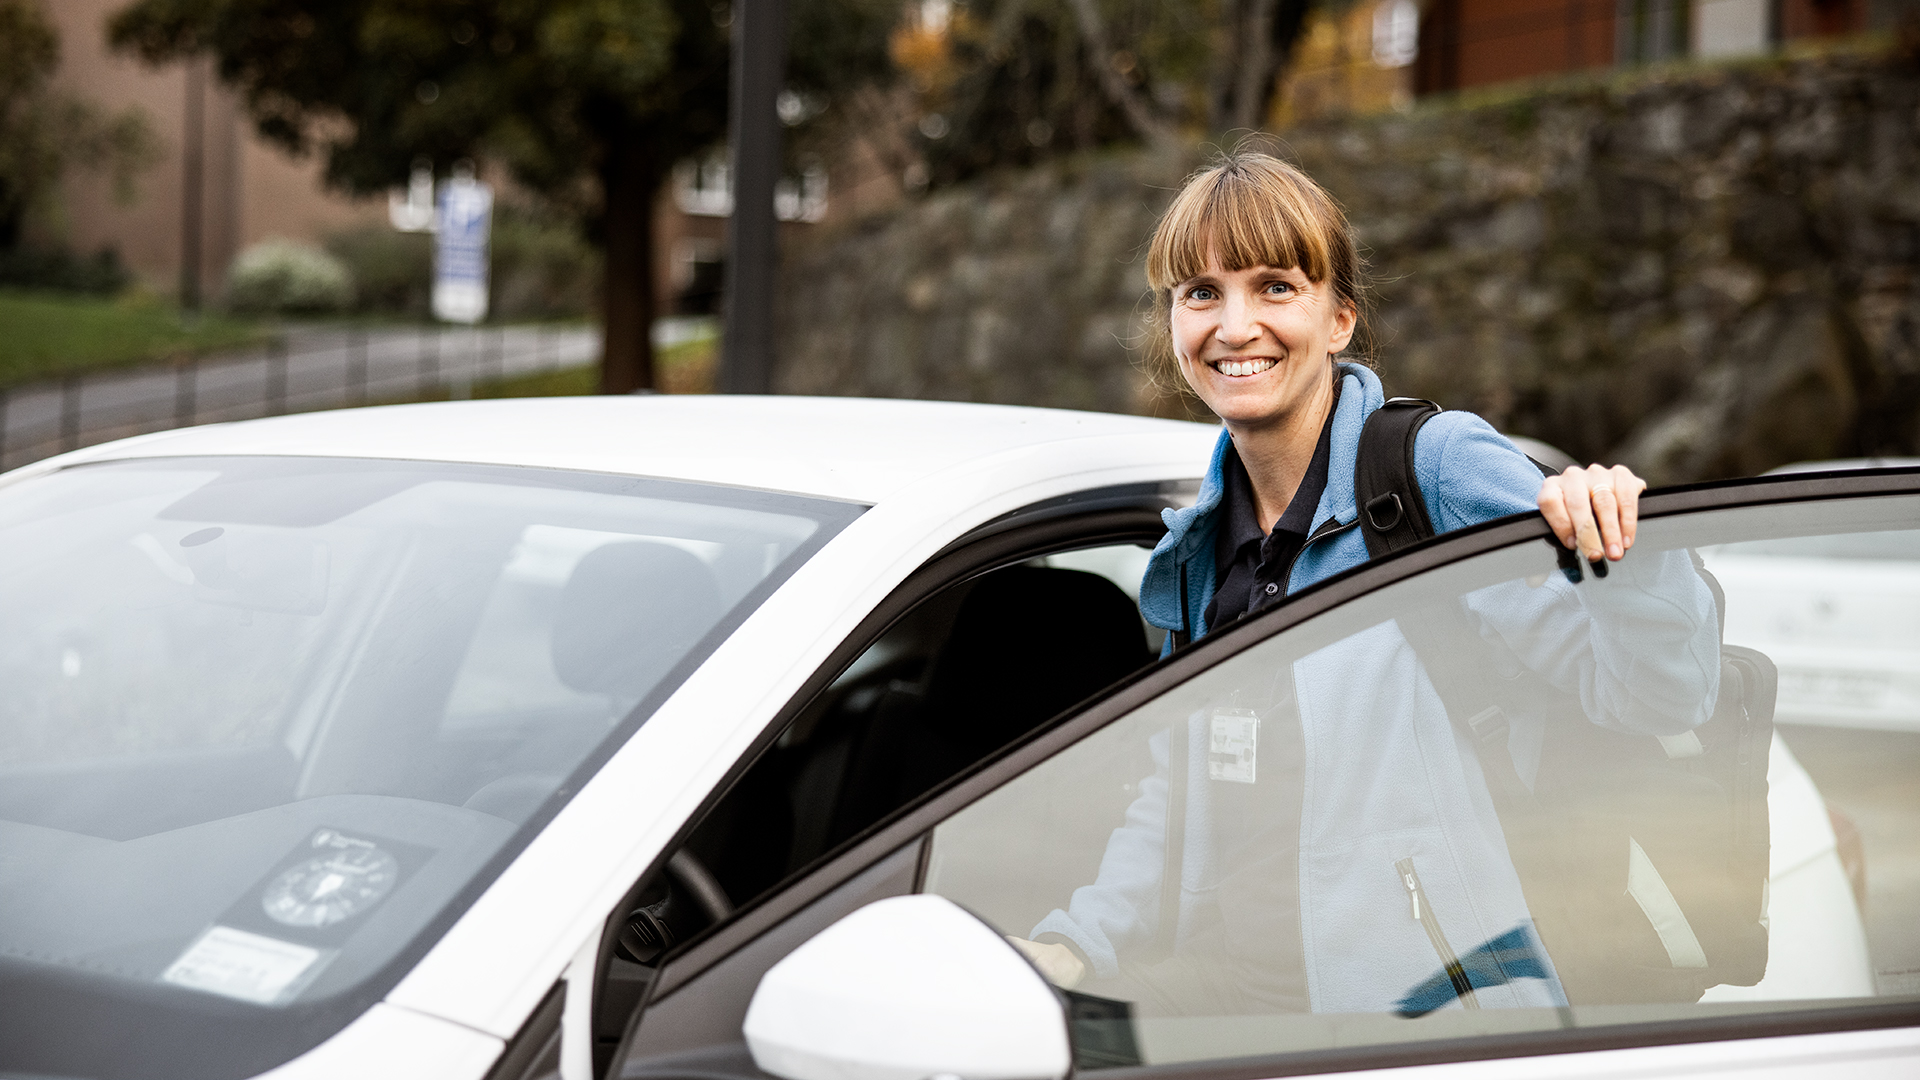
(1329, 527)
(1423, 914)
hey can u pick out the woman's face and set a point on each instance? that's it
(1254, 343)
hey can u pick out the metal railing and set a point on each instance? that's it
(301, 370)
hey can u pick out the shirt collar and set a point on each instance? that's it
(1242, 524)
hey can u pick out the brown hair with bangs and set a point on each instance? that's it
(1251, 209)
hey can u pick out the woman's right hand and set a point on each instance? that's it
(1594, 511)
(1056, 962)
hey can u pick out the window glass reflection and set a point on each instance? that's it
(1493, 799)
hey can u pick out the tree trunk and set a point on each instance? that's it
(629, 183)
(1255, 82)
(1222, 77)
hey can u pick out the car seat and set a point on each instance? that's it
(1027, 643)
(629, 612)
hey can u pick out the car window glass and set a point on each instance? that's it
(509, 667)
(968, 670)
(1836, 612)
(289, 710)
(1490, 799)
(1122, 564)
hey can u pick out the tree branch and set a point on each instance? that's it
(1139, 113)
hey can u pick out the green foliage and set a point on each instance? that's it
(541, 268)
(836, 46)
(587, 103)
(540, 87)
(29, 50)
(50, 334)
(38, 267)
(286, 276)
(43, 132)
(392, 271)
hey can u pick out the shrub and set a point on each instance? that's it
(59, 270)
(392, 271)
(287, 276)
(542, 268)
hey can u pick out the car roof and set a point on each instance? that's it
(846, 448)
(1844, 465)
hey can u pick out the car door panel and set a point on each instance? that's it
(1613, 656)
(1474, 1041)
(701, 1000)
(766, 803)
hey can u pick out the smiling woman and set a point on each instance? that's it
(1256, 270)
(1262, 288)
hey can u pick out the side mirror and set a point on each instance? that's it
(905, 989)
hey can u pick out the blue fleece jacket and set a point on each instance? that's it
(1468, 473)
(1386, 780)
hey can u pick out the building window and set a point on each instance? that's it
(1396, 33)
(704, 188)
(1651, 30)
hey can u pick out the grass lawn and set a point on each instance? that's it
(686, 368)
(49, 334)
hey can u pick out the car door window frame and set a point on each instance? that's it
(1103, 516)
(914, 824)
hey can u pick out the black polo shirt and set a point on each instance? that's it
(1252, 568)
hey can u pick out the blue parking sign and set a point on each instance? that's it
(460, 251)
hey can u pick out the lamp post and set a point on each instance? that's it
(192, 184)
(759, 67)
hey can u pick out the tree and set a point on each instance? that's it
(588, 103)
(1015, 81)
(43, 133)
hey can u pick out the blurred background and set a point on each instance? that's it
(1681, 234)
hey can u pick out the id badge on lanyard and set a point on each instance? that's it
(1233, 746)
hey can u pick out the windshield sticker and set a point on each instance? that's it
(236, 964)
(1233, 746)
(329, 888)
(319, 893)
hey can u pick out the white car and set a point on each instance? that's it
(1836, 613)
(511, 739)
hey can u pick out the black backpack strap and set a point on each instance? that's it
(1393, 510)
(1393, 514)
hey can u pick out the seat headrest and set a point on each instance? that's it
(630, 611)
(1029, 641)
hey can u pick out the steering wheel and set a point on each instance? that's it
(694, 901)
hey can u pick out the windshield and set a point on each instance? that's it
(270, 724)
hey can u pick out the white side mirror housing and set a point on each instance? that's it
(905, 989)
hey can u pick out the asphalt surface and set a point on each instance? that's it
(310, 369)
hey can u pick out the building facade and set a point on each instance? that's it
(1383, 55)
(217, 187)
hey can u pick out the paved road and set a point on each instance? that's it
(311, 368)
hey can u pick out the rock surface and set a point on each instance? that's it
(1702, 272)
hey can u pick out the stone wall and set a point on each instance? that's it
(1702, 272)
